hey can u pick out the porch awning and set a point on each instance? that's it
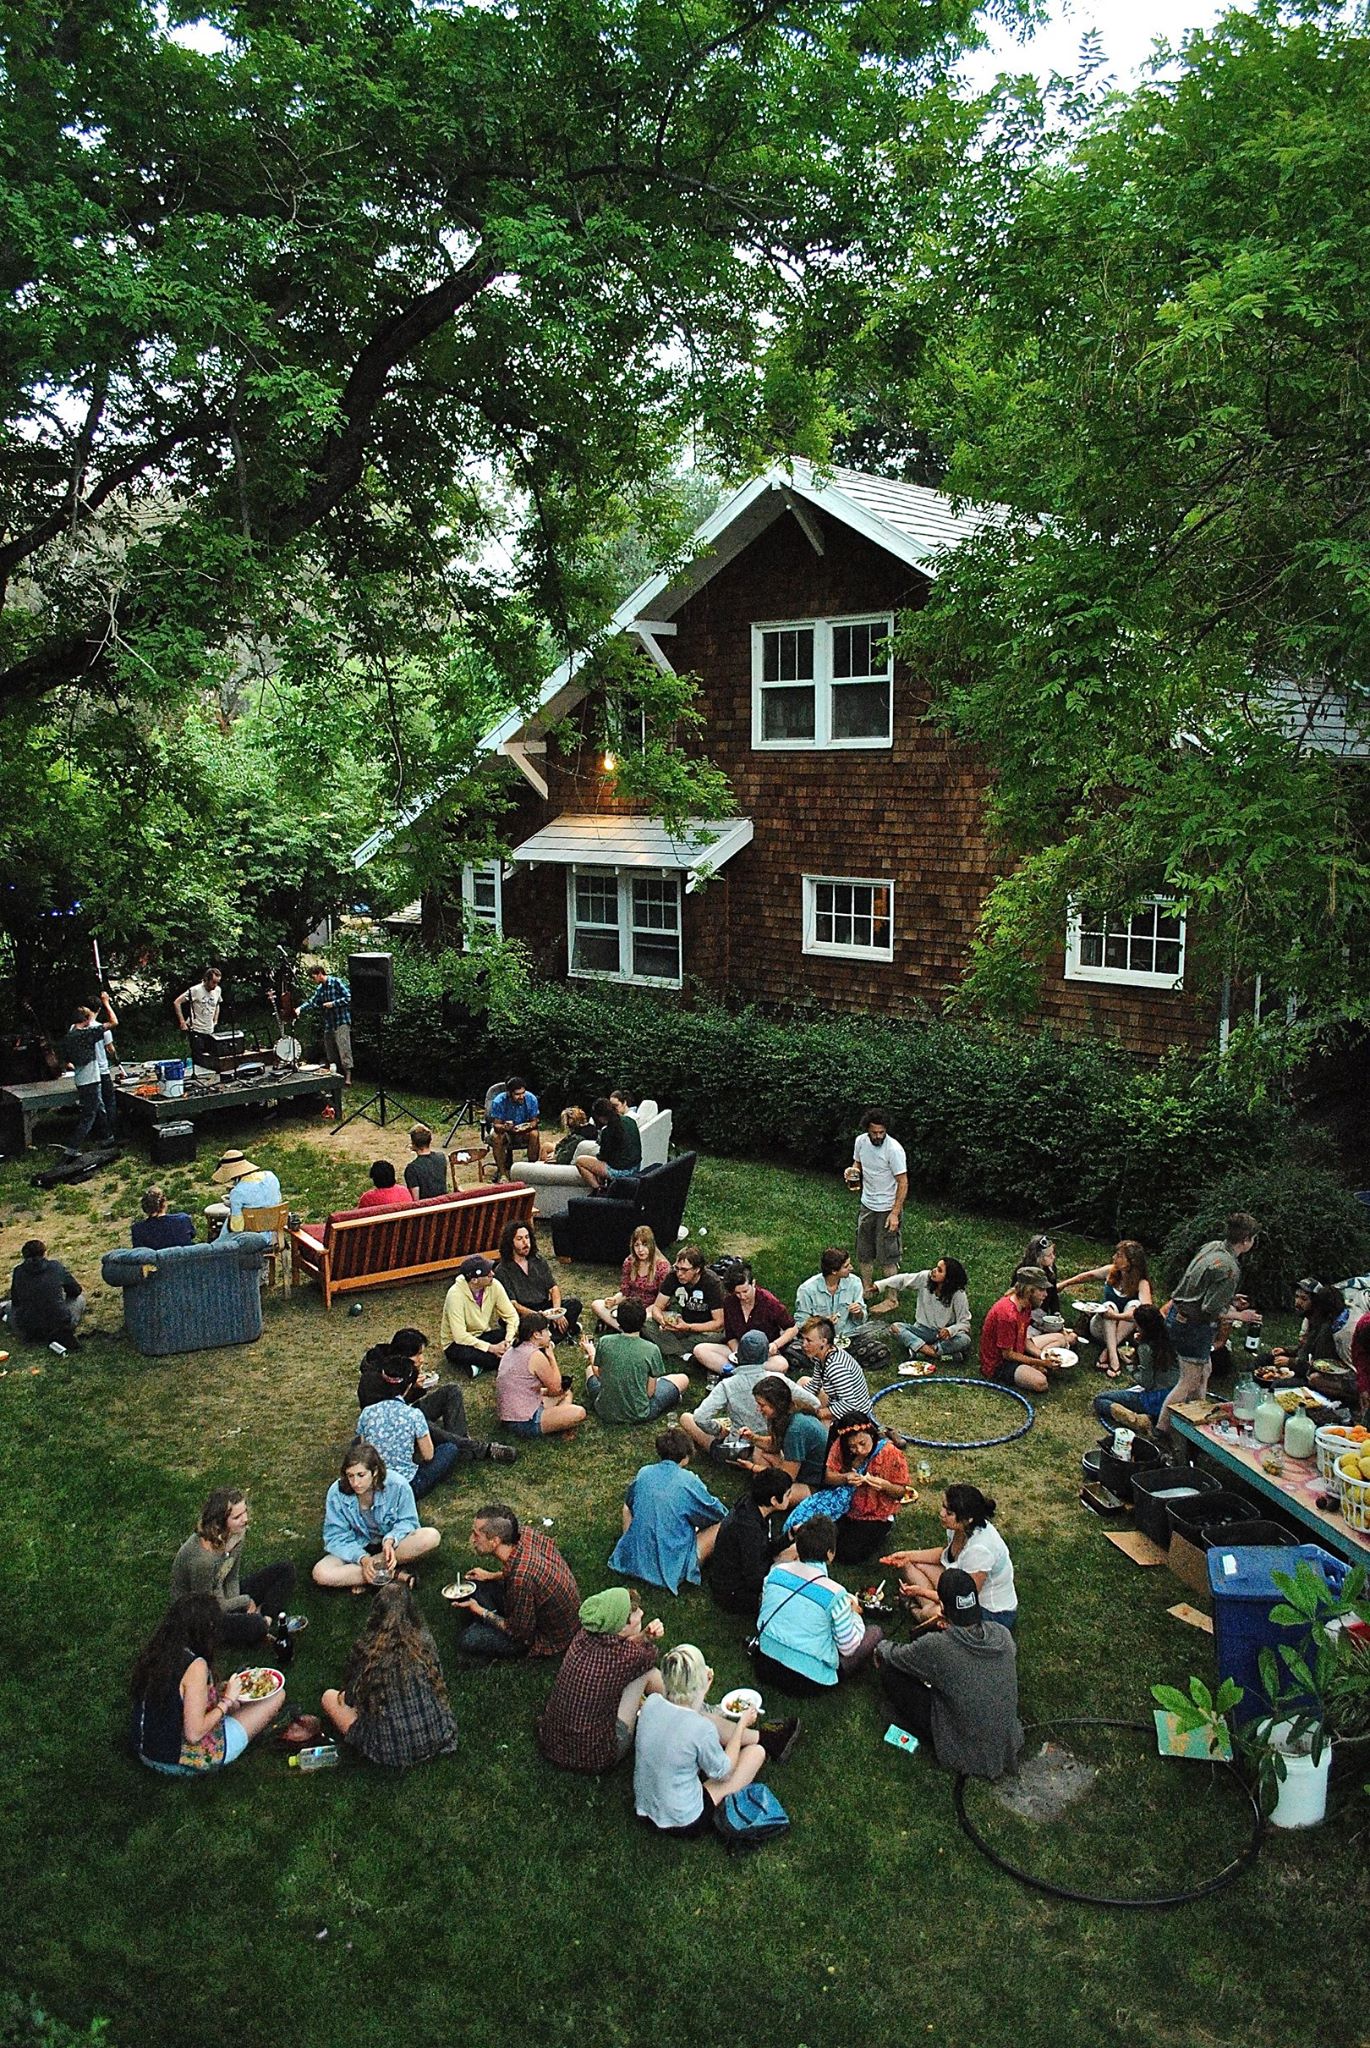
(606, 840)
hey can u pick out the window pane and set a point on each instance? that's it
(787, 654)
(787, 714)
(1091, 949)
(860, 650)
(1115, 949)
(1167, 924)
(1167, 956)
(1141, 952)
(656, 904)
(597, 899)
(595, 953)
(860, 711)
(656, 958)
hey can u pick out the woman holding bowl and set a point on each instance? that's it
(974, 1545)
(370, 1524)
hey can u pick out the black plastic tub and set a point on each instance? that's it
(1153, 1493)
(1117, 1474)
(1209, 1511)
(1242, 1535)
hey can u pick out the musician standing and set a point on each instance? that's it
(332, 999)
(197, 1013)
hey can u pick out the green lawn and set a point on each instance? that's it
(489, 1897)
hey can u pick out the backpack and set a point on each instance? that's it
(725, 1265)
(751, 1817)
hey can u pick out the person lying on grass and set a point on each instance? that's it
(392, 1706)
(670, 1519)
(182, 1723)
(371, 1526)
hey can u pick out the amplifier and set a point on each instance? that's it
(173, 1144)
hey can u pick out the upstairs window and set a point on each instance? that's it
(482, 894)
(823, 683)
(1145, 950)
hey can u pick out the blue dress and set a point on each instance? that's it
(669, 1507)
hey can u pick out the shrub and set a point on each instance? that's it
(1309, 1224)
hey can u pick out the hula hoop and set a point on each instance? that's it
(980, 1443)
(1158, 1901)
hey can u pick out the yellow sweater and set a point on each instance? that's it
(466, 1320)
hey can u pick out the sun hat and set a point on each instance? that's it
(232, 1166)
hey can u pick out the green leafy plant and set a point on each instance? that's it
(1201, 1711)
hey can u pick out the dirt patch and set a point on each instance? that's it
(1047, 1785)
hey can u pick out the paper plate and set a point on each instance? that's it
(737, 1700)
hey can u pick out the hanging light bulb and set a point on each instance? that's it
(610, 763)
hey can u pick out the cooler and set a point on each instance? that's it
(1242, 1583)
(173, 1144)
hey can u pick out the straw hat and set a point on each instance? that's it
(233, 1166)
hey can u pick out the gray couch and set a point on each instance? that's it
(191, 1297)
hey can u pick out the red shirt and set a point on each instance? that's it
(398, 1197)
(769, 1315)
(889, 1463)
(1004, 1329)
(541, 1598)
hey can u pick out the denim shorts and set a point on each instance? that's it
(235, 1742)
(533, 1427)
(1193, 1341)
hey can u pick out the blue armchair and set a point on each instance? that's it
(191, 1297)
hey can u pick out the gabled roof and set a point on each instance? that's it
(909, 521)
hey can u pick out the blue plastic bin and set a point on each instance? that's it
(1242, 1582)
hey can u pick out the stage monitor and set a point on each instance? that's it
(372, 980)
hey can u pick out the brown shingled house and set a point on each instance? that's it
(854, 864)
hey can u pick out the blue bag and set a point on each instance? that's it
(751, 1817)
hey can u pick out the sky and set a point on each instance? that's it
(1128, 29)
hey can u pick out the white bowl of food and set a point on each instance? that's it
(736, 1702)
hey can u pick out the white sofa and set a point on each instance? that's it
(555, 1185)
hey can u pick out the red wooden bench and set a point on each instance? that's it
(360, 1248)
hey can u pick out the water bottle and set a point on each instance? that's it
(322, 1757)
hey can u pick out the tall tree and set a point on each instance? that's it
(1146, 333)
(278, 312)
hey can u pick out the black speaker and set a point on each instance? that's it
(372, 979)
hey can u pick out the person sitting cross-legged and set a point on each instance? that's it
(741, 1557)
(792, 1440)
(533, 1396)
(386, 1191)
(623, 1383)
(875, 1473)
(479, 1322)
(392, 1707)
(811, 1631)
(747, 1310)
(940, 1330)
(689, 1308)
(371, 1528)
(834, 1376)
(46, 1303)
(670, 1519)
(527, 1602)
(957, 1686)
(606, 1674)
(730, 1406)
(687, 1757)
(1004, 1353)
(531, 1285)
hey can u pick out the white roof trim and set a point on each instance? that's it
(605, 839)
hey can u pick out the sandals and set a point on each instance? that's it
(301, 1732)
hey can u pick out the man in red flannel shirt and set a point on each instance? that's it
(530, 1605)
(1004, 1356)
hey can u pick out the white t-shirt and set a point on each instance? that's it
(987, 1552)
(203, 1004)
(880, 1167)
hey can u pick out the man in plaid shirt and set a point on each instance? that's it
(332, 998)
(530, 1606)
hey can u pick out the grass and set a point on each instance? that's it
(489, 1896)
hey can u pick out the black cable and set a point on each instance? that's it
(1162, 1901)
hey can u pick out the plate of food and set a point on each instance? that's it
(1063, 1360)
(460, 1589)
(736, 1702)
(260, 1681)
(1275, 1375)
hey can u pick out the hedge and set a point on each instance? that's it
(1023, 1123)
(1310, 1226)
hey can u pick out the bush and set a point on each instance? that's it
(1309, 1224)
(1020, 1122)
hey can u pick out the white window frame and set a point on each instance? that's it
(476, 913)
(1123, 977)
(624, 878)
(823, 684)
(827, 949)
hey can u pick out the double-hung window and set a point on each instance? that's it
(848, 920)
(482, 894)
(1145, 950)
(823, 683)
(623, 924)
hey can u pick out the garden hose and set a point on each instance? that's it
(936, 1443)
(1159, 1901)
